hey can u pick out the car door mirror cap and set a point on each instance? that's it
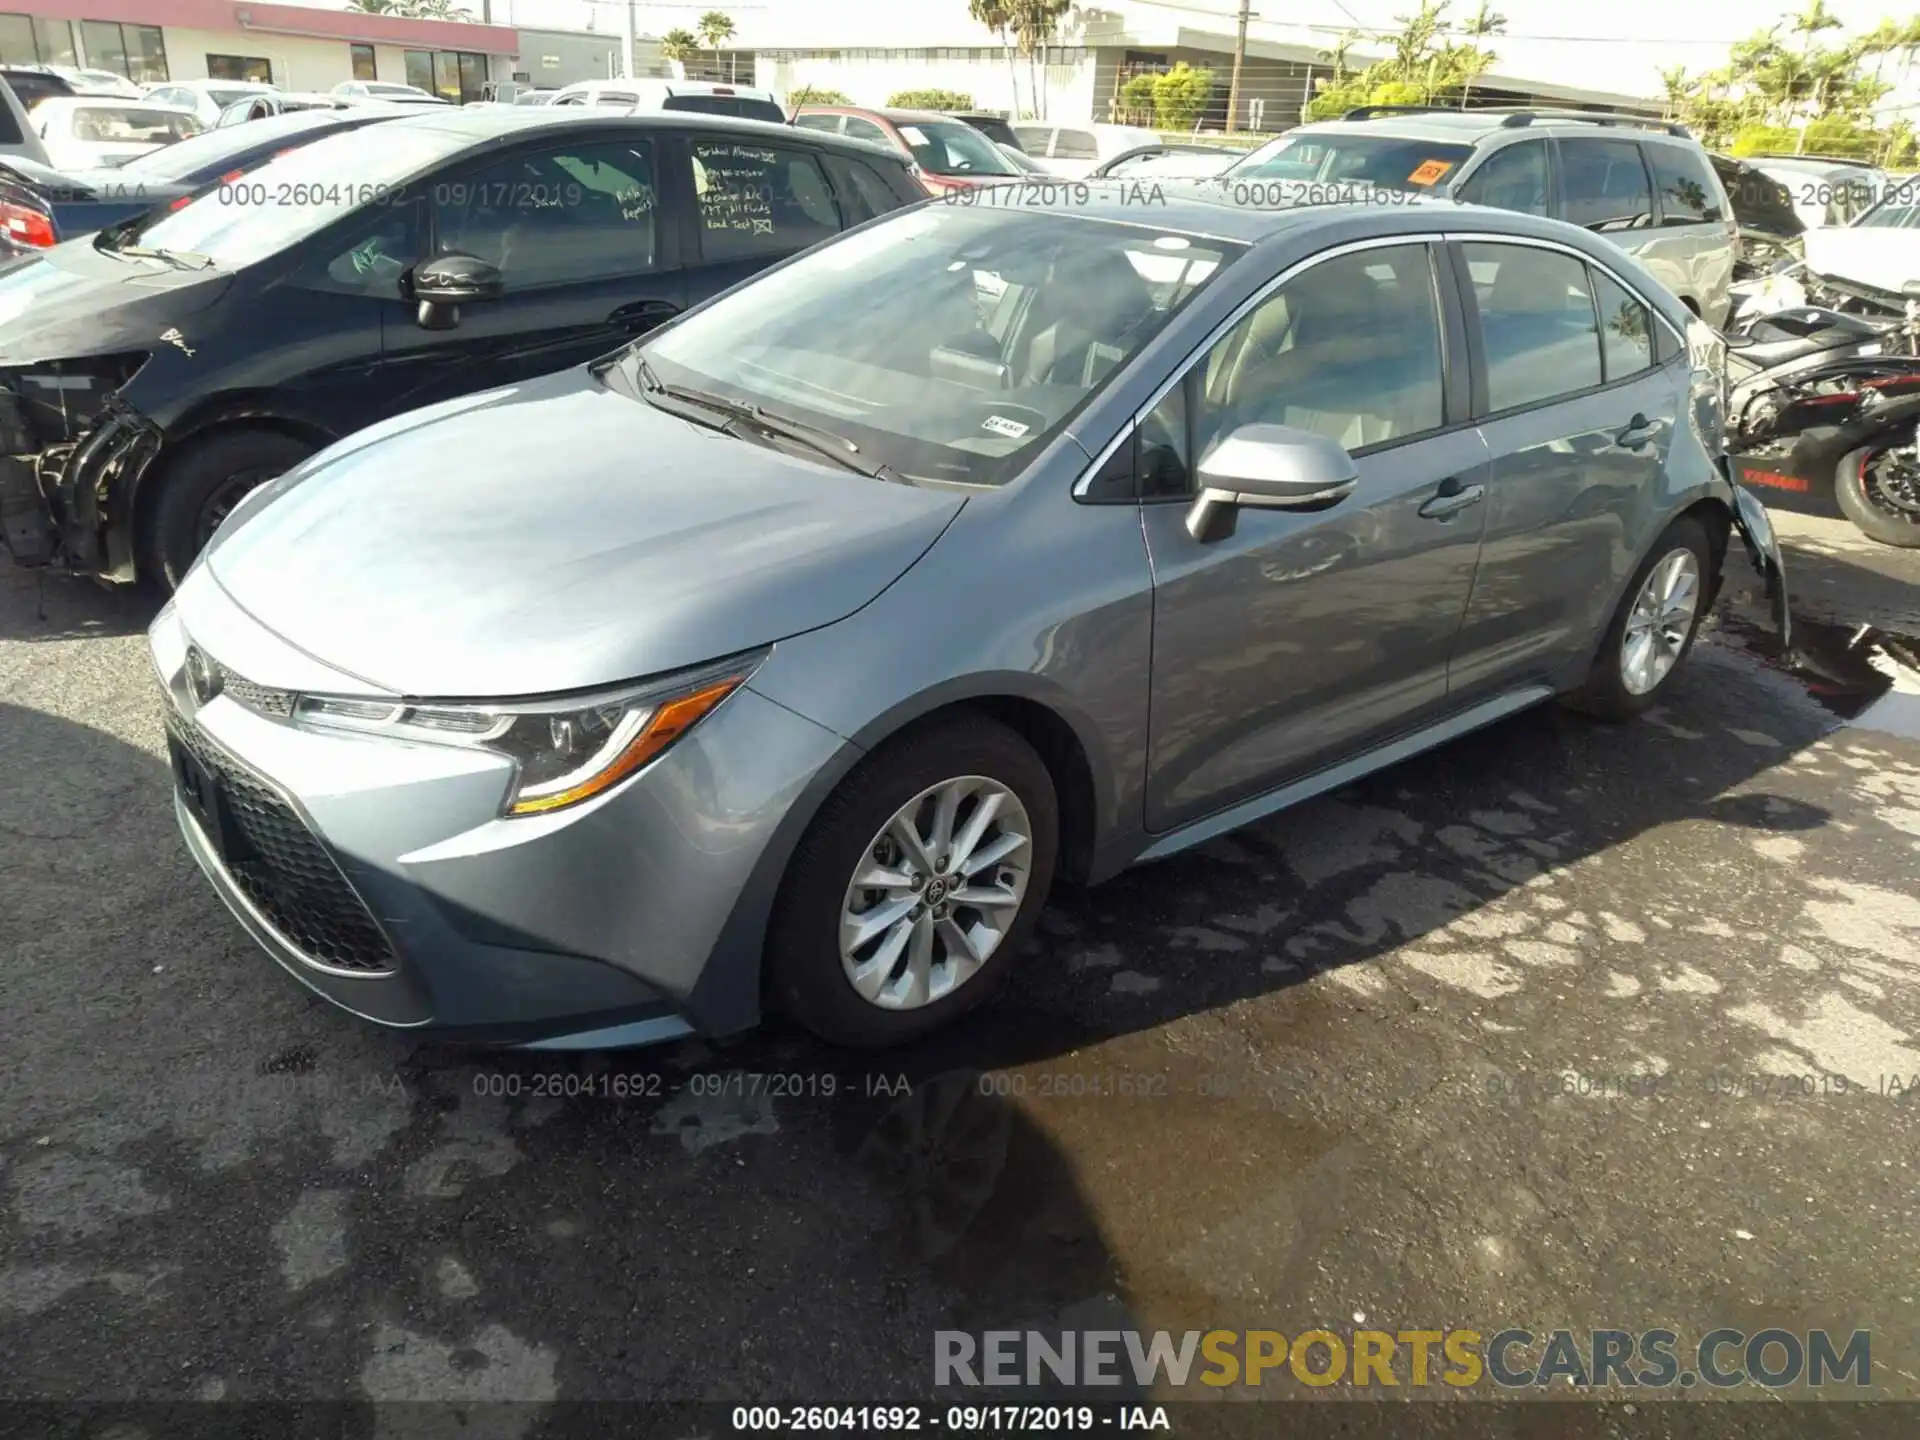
(455, 279)
(1911, 289)
(1269, 467)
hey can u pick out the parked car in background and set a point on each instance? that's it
(990, 123)
(286, 102)
(17, 140)
(839, 619)
(41, 207)
(950, 154)
(206, 98)
(1646, 185)
(89, 132)
(33, 83)
(100, 82)
(1826, 193)
(1023, 162)
(686, 97)
(1190, 159)
(535, 97)
(386, 91)
(161, 370)
(1072, 151)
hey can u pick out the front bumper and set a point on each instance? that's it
(380, 874)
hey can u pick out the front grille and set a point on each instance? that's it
(261, 699)
(286, 873)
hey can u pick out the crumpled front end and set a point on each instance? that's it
(71, 453)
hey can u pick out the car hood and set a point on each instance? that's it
(557, 536)
(74, 301)
(1885, 259)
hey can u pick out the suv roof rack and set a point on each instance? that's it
(1528, 115)
(1823, 159)
(1369, 112)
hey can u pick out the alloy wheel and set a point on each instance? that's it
(935, 893)
(1660, 622)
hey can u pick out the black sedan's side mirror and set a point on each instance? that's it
(446, 282)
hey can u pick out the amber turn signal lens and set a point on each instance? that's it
(670, 720)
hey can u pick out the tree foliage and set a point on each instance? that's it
(1430, 61)
(818, 95)
(1180, 96)
(930, 99)
(714, 28)
(679, 44)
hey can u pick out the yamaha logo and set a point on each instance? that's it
(203, 676)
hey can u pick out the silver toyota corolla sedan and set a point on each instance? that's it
(788, 656)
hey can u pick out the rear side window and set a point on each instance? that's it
(829, 123)
(1605, 184)
(1689, 194)
(1514, 177)
(1626, 329)
(1074, 145)
(760, 201)
(1034, 139)
(864, 192)
(1536, 323)
(9, 123)
(617, 97)
(741, 107)
(858, 129)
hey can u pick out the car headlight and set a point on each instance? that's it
(564, 750)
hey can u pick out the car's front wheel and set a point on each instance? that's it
(915, 885)
(201, 485)
(1653, 629)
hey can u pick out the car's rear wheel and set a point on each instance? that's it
(200, 486)
(1653, 630)
(915, 885)
(1878, 489)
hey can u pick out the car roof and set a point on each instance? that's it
(1470, 127)
(885, 112)
(510, 120)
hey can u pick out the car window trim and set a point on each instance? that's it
(1483, 414)
(1600, 323)
(1430, 239)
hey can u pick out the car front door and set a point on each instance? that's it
(581, 230)
(1578, 419)
(754, 203)
(1300, 636)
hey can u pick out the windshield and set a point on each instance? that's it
(952, 147)
(742, 107)
(133, 124)
(213, 147)
(235, 225)
(1388, 161)
(1898, 209)
(949, 343)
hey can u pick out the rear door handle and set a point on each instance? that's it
(1640, 431)
(1451, 498)
(643, 315)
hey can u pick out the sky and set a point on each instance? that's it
(1616, 45)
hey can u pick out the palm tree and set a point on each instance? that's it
(715, 28)
(1678, 88)
(997, 16)
(1483, 24)
(1035, 24)
(380, 7)
(679, 45)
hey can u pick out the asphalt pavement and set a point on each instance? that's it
(1562, 1026)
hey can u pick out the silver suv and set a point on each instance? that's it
(1647, 185)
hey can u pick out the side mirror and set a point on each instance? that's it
(446, 282)
(1269, 467)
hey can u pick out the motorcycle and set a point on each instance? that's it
(1823, 414)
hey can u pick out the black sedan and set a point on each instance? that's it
(153, 374)
(41, 206)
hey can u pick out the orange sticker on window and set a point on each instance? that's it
(1429, 172)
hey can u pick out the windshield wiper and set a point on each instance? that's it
(821, 441)
(185, 259)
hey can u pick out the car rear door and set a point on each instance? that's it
(1302, 636)
(1578, 418)
(581, 226)
(1694, 229)
(752, 203)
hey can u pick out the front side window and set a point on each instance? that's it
(1513, 177)
(864, 193)
(1604, 184)
(755, 200)
(1349, 349)
(1688, 191)
(1387, 161)
(1536, 323)
(585, 212)
(951, 343)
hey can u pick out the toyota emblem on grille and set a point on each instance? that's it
(203, 676)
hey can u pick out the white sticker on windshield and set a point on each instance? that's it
(1000, 425)
(913, 135)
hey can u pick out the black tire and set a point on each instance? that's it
(1870, 516)
(198, 486)
(805, 977)
(1604, 695)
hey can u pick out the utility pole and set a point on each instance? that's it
(1239, 57)
(627, 40)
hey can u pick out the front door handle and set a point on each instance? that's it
(1640, 431)
(643, 315)
(1451, 498)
